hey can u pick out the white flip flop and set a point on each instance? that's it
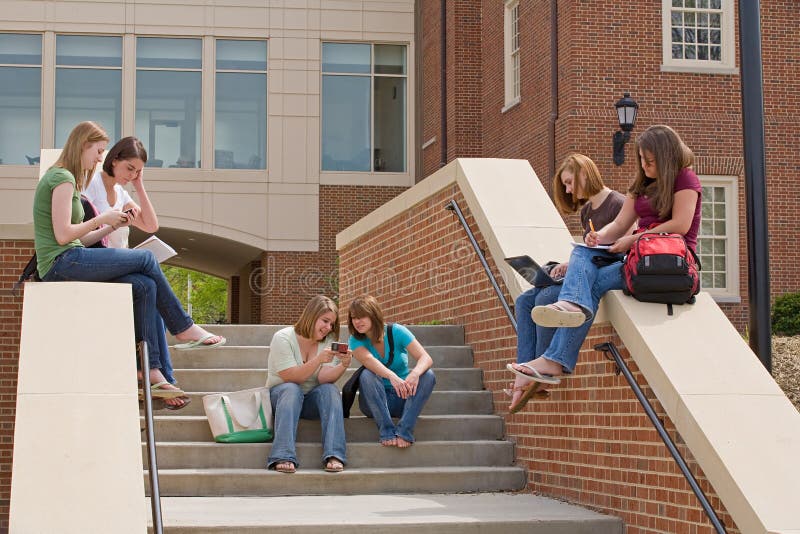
(554, 316)
(535, 375)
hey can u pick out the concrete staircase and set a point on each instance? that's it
(459, 450)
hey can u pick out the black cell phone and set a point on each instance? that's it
(128, 211)
(339, 347)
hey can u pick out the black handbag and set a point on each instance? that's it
(351, 386)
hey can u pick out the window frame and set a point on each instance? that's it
(41, 67)
(511, 55)
(730, 184)
(56, 66)
(727, 64)
(371, 75)
(217, 70)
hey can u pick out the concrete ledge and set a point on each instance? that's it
(739, 425)
(77, 456)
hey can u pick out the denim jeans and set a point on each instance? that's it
(532, 339)
(163, 352)
(584, 285)
(289, 404)
(382, 403)
(153, 298)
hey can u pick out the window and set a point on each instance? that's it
(88, 83)
(512, 83)
(364, 116)
(168, 100)
(717, 243)
(698, 36)
(20, 98)
(240, 139)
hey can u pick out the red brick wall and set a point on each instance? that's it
(288, 279)
(15, 255)
(591, 442)
(600, 56)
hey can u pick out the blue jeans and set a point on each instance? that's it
(163, 352)
(532, 339)
(153, 298)
(289, 404)
(584, 285)
(382, 403)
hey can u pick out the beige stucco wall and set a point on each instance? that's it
(274, 209)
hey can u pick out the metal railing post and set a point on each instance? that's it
(622, 367)
(155, 494)
(453, 206)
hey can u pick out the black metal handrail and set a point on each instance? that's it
(453, 206)
(155, 493)
(622, 367)
(607, 347)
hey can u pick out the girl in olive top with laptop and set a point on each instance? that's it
(389, 388)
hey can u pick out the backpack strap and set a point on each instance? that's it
(28, 272)
(390, 339)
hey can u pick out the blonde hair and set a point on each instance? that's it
(579, 165)
(671, 157)
(316, 307)
(366, 306)
(71, 157)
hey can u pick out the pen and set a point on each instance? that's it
(591, 226)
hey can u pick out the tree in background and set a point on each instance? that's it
(209, 294)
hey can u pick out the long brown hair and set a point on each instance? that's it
(579, 165)
(366, 306)
(671, 156)
(316, 307)
(124, 149)
(84, 133)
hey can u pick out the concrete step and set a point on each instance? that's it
(256, 356)
(429, 428)
(495, 513)
(440, 403)
(261, 334)
(358, 481)
(197, 455)
(464, 379)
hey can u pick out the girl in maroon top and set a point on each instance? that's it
(664, 195)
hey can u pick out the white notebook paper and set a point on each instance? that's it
(161, 250)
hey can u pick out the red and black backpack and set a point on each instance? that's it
(661, 267)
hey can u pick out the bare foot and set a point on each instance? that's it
(542, 365)
(195, 332)
(389, 442)
(401, 443)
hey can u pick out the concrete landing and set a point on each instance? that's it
(441, 514)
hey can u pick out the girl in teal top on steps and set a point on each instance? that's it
(58, 230)
(389, 389)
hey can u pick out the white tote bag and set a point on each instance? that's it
(240, 417)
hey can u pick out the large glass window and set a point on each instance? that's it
(88, 83)
(20, 98)
(364, 107)
(240, 136)
(168, 100)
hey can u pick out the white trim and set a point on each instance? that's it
(511, 84)
(730, 185)
(727, 64)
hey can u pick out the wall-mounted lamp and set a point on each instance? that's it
(626, 110)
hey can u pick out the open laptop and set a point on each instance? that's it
(532, 271)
